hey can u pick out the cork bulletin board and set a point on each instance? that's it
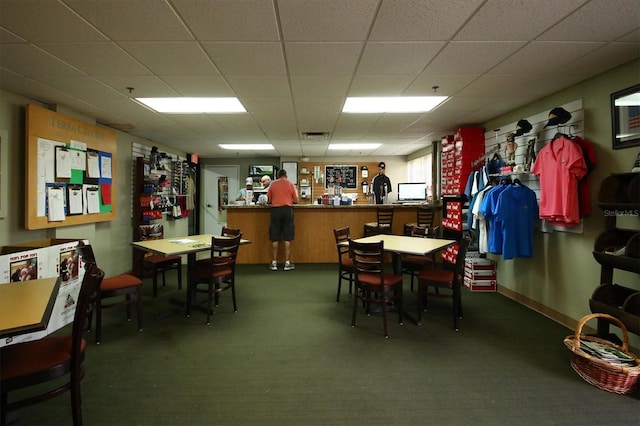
(71, 171)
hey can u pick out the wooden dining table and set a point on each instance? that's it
(188, 245)
(26, 307)
(398, 245)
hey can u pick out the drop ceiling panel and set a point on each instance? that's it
(544, 57)
(448, 85)
(247, 58)
(471, 57)
(526, 20)
(199, 85)
(397, 57)
(171, 57)
(103, 59)
(319, 86)
(28, 60)
(379, 85)
(322, 59)
(326, 20)
(143, 19)
(46, 21)
(230, 20)
(144, 86)
(259, 86)
(597, 20)
(422, 20)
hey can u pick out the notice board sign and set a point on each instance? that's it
(71, 171)
(345, 176)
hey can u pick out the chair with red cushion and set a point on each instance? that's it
(50, 359)
(441, 278)
(345, 264)
(383, 224)
(217, 273)
(118, 286)
(414, 264)
(155, 264)
(373, 284)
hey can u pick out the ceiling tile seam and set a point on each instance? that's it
(560, 21)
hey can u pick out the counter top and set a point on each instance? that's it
(322, 206)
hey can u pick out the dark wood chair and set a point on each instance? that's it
(156, 264)
(383, 224)
(372, 283)
(412, 265)
(425, 218)
(441, 278)
(54, 360)
(217, 273)
(230, 232)
(345, 263)
(121, 286)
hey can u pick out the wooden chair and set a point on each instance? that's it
(157, 264)
(345, 263)
(217, 273)
(414, 264)
(50, 359)
(441, 278)
(384, 222)
(425, 217)
(230, 232)
(372, 283)
(119, 285)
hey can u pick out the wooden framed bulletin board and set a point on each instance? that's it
(71, 171)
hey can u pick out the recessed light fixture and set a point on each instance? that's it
(247, 146)
(193, 105)
(393, 104)
(350, 146)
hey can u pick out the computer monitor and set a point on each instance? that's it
(412, 191)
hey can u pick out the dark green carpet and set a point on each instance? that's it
(290, 357)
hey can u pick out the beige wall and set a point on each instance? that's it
(110, 239)
(563, 274)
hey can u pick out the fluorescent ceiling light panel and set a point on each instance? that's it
(193, 105)
(393, 104)
(247, 146)
(350, 146)
(629, 100)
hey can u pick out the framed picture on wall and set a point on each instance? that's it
(625, 117)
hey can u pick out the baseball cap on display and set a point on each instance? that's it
(558, 115)
(523, 127)
(381, 165)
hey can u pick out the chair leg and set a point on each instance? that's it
(76, 400)
(155, 282)
(210, 301)
(399, 298)
(233, 295)
(339, 286)
(384, 299)
(139, 307)
(98, 320)
(179, 274)
(355, 308)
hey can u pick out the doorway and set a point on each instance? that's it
(213, 210)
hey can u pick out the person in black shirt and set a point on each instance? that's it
(381, 184)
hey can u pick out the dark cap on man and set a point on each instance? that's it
(381, 165)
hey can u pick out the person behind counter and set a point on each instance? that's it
(242, 194)
(262, 198)
(381, 184)
(282, 195)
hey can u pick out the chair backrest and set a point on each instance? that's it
(368, 258)
(153, 231)
(86, 254)
(93, 277)
(224, 251)
(230, 232)
(385, 215)
(463, 246)
(342, 235)
(426, 215)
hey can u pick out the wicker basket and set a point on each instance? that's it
(598, 372)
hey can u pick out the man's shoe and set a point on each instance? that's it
(288, 266)
(274, 266)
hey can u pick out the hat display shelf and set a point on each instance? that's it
(618, 249)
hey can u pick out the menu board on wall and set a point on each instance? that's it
(341, 175)
(71, 173)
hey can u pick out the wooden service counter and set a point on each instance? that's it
(314, 241)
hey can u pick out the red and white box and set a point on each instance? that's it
(480, 285)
